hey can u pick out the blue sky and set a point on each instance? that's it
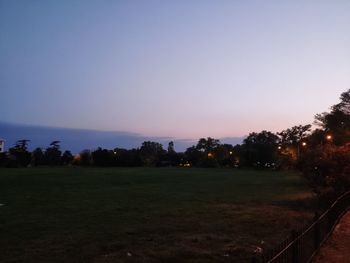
(184, 69)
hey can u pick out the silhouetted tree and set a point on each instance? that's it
(53, 154)
(225, 155)
(124, 157)
(19, 156)
(327, 168)
(171, 147)
(151, 153)
(67, 158)
(172, 157)
(337, 122)
(194, 156)
(207, 145)
(326, 164)
(292, 143)
(103, 157)
(38, 157)
(260, 149)
(22, 144)
(85, 158)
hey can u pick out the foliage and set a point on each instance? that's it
(292, 142)
(85, 158)
(22, 144)
(151, 153)
(53, 154)
(327, 168)
(337, 122)
(67, 158)
(103, 157)
(260, 149)
(171, 149)
(327, 164)
(226, 155)
(193, 156)
(126, 157)
(38, 157)
(207, 145)
(172, 158)
(19, 156)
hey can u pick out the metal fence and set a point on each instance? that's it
(303, 243)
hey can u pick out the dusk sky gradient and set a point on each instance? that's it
(185, 69)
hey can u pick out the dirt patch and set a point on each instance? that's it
(337, 247)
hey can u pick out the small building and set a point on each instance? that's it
(2, 145)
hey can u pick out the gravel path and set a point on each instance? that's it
(337, 248)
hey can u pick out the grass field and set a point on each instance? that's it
(146, 214)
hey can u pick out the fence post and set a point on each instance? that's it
(317, 236)
(295, 255)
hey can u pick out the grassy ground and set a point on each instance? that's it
(144, 214)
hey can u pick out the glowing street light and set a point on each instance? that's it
(303, 144)
(329, 137)
(279, 147)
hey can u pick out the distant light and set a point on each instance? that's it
(231, 153)
(303, 144)
(329, 137)
(279, 147)
(210, 155)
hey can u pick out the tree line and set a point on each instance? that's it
(323, 154)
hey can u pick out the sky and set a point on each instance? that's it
(182, 69)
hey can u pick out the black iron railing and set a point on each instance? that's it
(303, 243)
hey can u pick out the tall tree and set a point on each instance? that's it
(85, 158)
(38, 157)
(67, 158)
(337, 122)
(327, 165)
(171, 149)
(22, 144)
(172, 157)
(151, 153)
(260, 148)
(19, 153)
(194, 156)
(53, 154)
(207, 145)
(103, 157)
(292, 141)
(225, 155)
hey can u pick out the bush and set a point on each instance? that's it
(327, 168)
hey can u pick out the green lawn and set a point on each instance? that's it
(146, 214)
